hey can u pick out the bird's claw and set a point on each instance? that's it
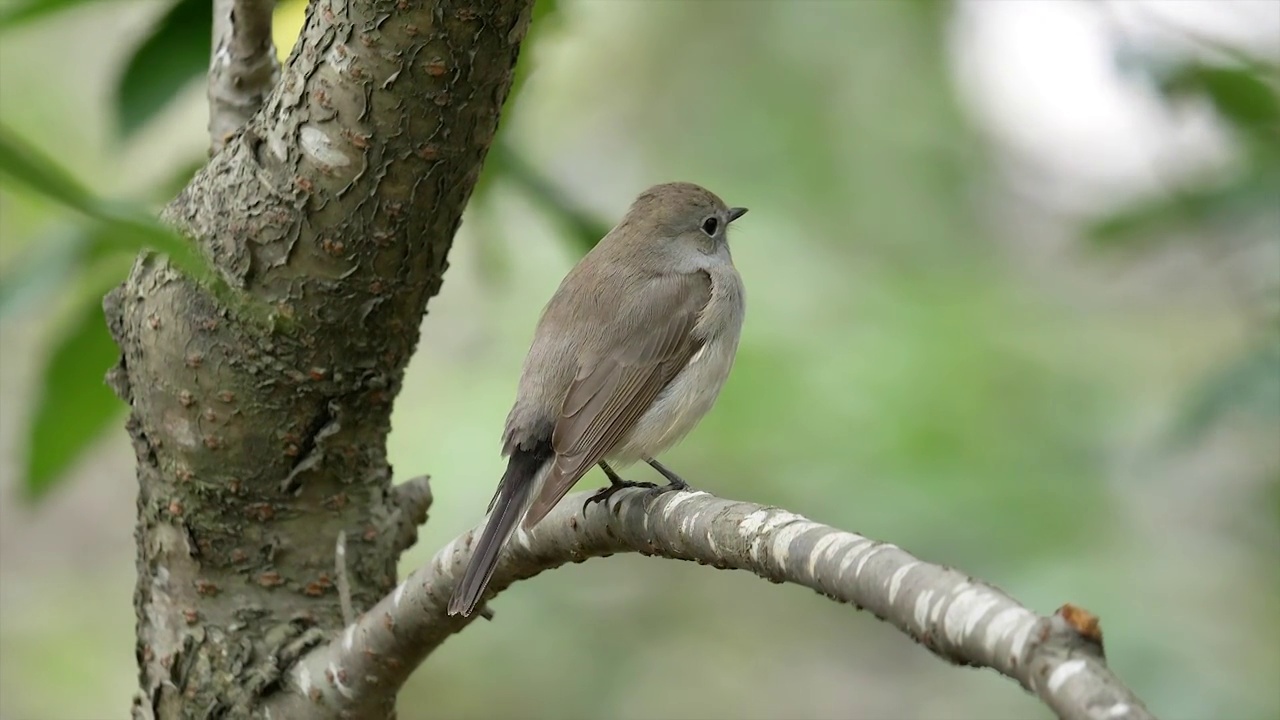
(676, 485)
(603, 494)
(674, 482)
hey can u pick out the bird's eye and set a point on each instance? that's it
(710, 225)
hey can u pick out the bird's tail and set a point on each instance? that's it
(508, 505)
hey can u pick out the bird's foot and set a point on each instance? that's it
(603, 494)
(675, 483)
(616, 483)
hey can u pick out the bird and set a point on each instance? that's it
(628, 355)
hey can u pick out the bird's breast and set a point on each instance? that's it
(681, 405)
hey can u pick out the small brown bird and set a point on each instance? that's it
(630, 353)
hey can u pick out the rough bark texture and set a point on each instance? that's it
(243, 69)
(259, 413)
(957, 617)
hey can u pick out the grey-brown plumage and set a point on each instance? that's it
(630, 353)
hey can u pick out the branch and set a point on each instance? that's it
(962, 620)
(244, 67)
(411, 499)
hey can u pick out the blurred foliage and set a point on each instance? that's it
(170, 58)
(1216, 212)
(18, 12)
(545, 18)
(1250, 384)
(582, 227)
(1244, 96)
(1243, 208)
(123, 226)
(505, 165)
(74, 406)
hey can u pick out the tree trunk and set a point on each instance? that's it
(260, 408)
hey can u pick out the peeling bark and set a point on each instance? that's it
(243, 69)
(259, 413)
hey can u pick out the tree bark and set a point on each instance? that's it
(243, 68)
(260, 409)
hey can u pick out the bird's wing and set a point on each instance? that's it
(610, 393)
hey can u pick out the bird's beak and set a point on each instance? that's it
(735, 213)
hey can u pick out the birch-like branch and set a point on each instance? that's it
(962, 620)
(244, 67)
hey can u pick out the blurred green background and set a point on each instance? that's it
(1013, 273)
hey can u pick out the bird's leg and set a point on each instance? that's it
(675, 482)
(616, 483)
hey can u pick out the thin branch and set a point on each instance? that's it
(340, 576)
(244, 67)
(412, 499)
(962, 620)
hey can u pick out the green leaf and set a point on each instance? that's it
(1240, 94)
(173, 55)
(125, 227)
(131, 229)
(74, 405)
(1246, 198)
(23, 165)
(17, 12)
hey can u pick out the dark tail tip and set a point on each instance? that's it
(484, 559)
(508, 506)
(462, 605)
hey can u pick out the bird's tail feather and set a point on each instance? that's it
(508, 506)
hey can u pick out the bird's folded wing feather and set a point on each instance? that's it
(610, 393)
